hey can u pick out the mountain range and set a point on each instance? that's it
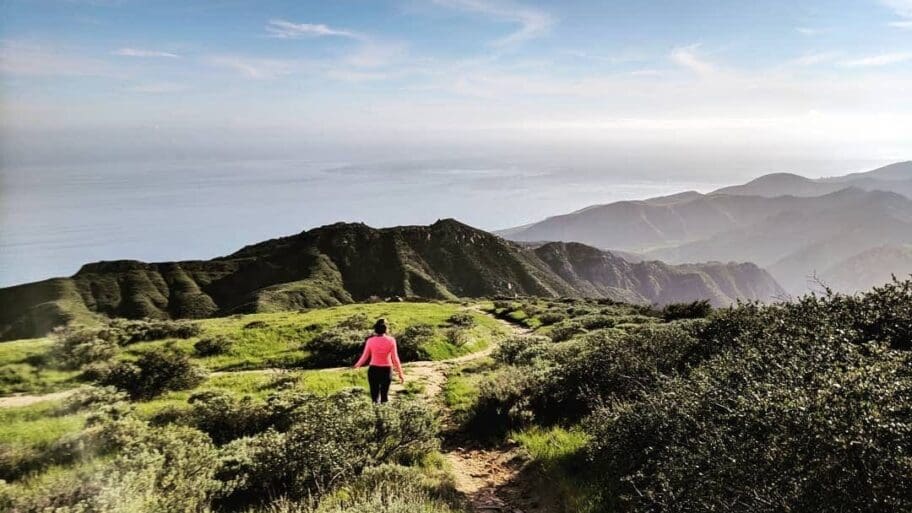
(342, 263)
(803, 230)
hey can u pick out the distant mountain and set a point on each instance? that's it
(874, 266)
(342, 263)
(782, 184)
(793, 225)
(893, 178)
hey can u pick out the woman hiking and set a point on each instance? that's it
(380, 348)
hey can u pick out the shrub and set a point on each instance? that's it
(798, 407)
(412, 339)
(693, 310)
(131, 331)
(336, 347)
(356, 322)
(155, 372)
(255, 325)
(551, 317)
(225, 418)
(462, 319)
(502, 403)
(211, 346)
(330, 440)
(458, 336)
(75, 347)
(522, 349)
(566, 331)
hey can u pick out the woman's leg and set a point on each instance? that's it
(386, 379)
(374, 380)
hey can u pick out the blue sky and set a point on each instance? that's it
(133, 79)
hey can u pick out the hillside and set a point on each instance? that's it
(342, 263)
(792, 225)
(874, 266)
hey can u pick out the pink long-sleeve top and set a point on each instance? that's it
(381, 351)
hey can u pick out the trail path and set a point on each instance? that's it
(487, 476)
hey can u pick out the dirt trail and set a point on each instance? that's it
(487, 477)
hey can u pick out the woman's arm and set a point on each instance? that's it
(396, 364)
(365, 355)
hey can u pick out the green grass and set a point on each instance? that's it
(559, 464)
(21, 369)
(281, 342)
(461, 388)
(37, 424)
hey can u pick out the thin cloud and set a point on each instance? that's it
(284, 29)
(253, 68)
(686, 57)
(878, 60)
(532, 22)
(811, 31)
(903, 9)
(812, 59)
(157, 88)
(135, 52)
(33, 59)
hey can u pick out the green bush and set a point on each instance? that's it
(76, 347)
(330, 440)
(566, 331)
(795, 407)
(211, 346)
(132, 331)
(155, 372)
(522, 349)
(462, 319)
(412, 339)
(357, 322)
(336, 347)
(225, 418)
(693, 310)
(458, 336)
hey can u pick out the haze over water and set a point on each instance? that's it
(54, 219)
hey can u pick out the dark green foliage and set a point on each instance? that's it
(522, 349)
(225, 418)
(356, 322)
(412, 338)
(130, 332)
(328, 441)
(211, 346)
(462, 319)
(254, 325)
(458, 336)
(693, 310)
(566, 330)
(336, 347)
(155, 372)
(74, 348)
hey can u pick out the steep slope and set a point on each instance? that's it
(601, 273)
(342, 263)
(869, 268)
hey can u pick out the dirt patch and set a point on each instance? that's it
(16, 401)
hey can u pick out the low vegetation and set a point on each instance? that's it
(800, 406)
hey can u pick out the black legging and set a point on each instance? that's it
(379, 379)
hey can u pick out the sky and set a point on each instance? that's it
(164, 130)
(109, 80)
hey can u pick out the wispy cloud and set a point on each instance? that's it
(687, 57)
(878, 60)
(812, 59)
(157, 88)
(284, 29)
(136, 52)
(532, 22)
(903, 9)
(255, 68)
(811, 31)
(35, 59)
